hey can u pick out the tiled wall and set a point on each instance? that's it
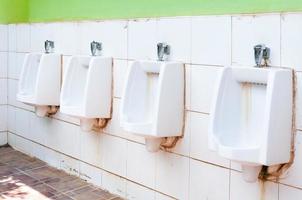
(117, 160)
(3, 83)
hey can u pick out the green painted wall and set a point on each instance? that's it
(57, 10)
(12, 11)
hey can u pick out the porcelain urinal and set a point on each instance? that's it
(40, 82)
(153, 101)
(87, 90)
(251, 119)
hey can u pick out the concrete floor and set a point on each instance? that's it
(26, 178)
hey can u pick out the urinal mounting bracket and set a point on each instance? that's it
(163, 51)
(96, 48)
(49, 46)
(262, 55)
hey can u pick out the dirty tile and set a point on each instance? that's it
(61, 197)
(90, 193)
(4, 150)
(46, 173)
(67, 183)
(24, 165)
(6, 170)
(20, 179)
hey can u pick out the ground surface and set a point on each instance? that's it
(26, 178)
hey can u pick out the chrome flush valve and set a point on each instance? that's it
(96, 48)
(262, 54)
(163, 51)
(49, 46)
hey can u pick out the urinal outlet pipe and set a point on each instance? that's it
(45, 111)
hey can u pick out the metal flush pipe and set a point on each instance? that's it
(163, 51)
(49, 46)
(96, 48)
(261, 52)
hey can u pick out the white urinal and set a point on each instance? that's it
(251, 119)
(87, 90)
(153, 101)
(40, 82)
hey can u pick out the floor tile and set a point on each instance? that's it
(23, 177)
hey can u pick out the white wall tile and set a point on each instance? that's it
(137, 192)
(199, 140)
(141, 164)
(3, 91)
(63, 137)
(114, 151)
(66, 38)
(298, 100)
(38, 151)
(23, 145)
(119, 75)
(41, 32)
(11, 139)
(11, 65)
(11, 118)
(70, 165)
(203, 84)
(3, 64)
(3, 38)
(177, 33)
(211, 40)
(3, 118)
(112, 35)
(291, 41)
(142, 39)
(53, 158)
(12, 38)
(251, 191)
(3, 138)
(23, 37)
(91, 174)
(23, 122)
(289, 193)
(172, 175)
(114, 184)
(90, 148)
(208, 181)
(159, 196)
(248, 31)
(39, 128)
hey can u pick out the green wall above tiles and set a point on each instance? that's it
(12, 11)
(59, 10)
